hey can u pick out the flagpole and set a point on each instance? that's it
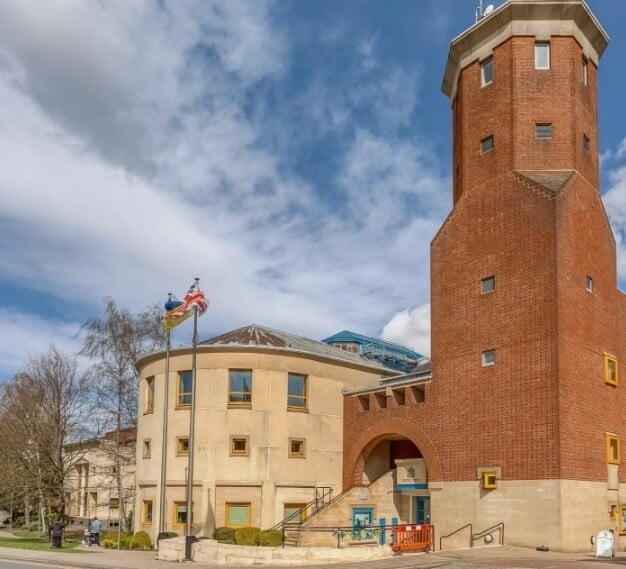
(166, 383)
(189, 537)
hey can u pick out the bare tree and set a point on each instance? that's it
(116, 342)
(43, 409)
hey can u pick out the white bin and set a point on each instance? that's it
(605, 544)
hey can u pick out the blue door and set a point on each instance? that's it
(421, 510)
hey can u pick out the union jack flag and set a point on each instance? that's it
(176, 312)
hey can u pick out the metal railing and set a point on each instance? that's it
(322, 498)
(475, 536)
(454, 533)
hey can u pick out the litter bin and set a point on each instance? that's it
(605, 544)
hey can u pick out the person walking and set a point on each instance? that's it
(57, 534)
(94, 528)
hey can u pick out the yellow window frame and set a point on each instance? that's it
(610, 369)
(175, 520)
(238, 398)
(298, 401)
(147, 512)
(184, 397)
(621, 522)
(489, 480)
(612, 448)
(297, 453)
(181, 443)
(236, 452)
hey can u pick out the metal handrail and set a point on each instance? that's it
(323, 498)
(457, 531)
(499, 527)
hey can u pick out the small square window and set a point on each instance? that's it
(542, 55)
(486, 144)
(584, 71)
(147, 448)
(486, 71)
(543, 130)
(610, 369)
(488, 284)
(180, 513)
(296, 448)
(612, 448)
(239, 446)
(489, 357)
(489, 480)
(585, 143)
(589, 284)
(182, 445)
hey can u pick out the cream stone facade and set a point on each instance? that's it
(92, 485)
(264, 446)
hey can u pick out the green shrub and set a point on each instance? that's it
(224, 535)
(271, 538)
(141, 540)
(247, 536)
(109, 544)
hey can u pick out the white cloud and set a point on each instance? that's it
(365, 49)
(410, 327)
(615, 203)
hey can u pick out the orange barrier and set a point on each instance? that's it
(411, 537)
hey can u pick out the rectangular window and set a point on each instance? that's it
(147, 448)
(543, 130)
(489, 480)
(612, 448)
(149, 394)
(486, 71)
(239, 446)
(542, 55)
(488, 284)
(296, 448)
(589, 284)
(296, 391)
(182, 445)
(238, 515)
(240, 387)
(180, 513)
(294, 513)
(585, 143)
(185, 382)
(146, 512)
(489, 357)
(622, 521)
(486, 144)
(610, 369)
(584, 71)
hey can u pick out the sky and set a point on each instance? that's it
(295, 155)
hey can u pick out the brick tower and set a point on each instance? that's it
(527, 321)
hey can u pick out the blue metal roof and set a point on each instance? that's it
(389, 354)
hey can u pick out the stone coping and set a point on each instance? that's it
(211, 552)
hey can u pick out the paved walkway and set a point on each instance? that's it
(477, 558)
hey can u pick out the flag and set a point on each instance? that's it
(177, 311)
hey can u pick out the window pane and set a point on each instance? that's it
(240, 386)
(184, 388)
(150, 394)
(487, 71)
(296, 389)
(238, 515)
(181, 514)
(543, 130)
(542, 56)
(486, 144)
(488, 284)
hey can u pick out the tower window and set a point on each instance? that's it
(489, 357)
(612, 448)
(543, 130)
(610, 369)
(584, 70)
(589, 284)
(488, 284)
(239, 446)
(585, 143)
(486, 144)
(542, 55)
(486, 71)
(147, 448)
(182, 445)
(296, 448)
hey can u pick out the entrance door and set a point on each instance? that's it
(421, 510)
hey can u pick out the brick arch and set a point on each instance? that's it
(354, 458)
